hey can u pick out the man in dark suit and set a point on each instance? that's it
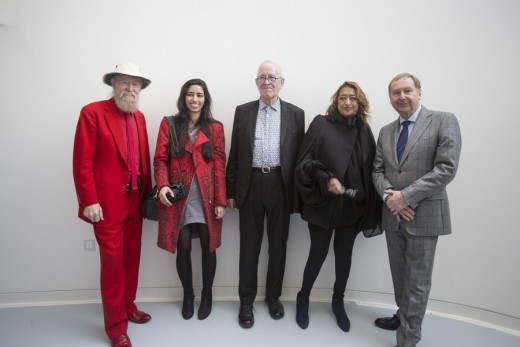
(111, 167)
(417, 156)
(259, 182)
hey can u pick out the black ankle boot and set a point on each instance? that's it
(187, 305)
(302, 310)
(339, 311)
(205, 306)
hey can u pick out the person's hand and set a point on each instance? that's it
(398, 205)
(406, 213)
(231, 204)
(395, 201)
(335, 187)
(93, 212)
(220, 211)
(162, 195)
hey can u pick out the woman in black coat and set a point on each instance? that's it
(334, 180)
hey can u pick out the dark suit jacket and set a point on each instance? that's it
(238, 170)
(430, 161)
(100, 158)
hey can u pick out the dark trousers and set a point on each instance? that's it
(320, 241)
(265, 200)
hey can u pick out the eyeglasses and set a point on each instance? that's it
(270, 78)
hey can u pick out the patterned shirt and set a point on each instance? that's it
(266, 151)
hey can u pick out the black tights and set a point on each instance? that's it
(320, 241)
(209, 260)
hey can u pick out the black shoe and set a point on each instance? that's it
(187, 305)
(302, 310)
(388, 323)
(341, 316)
(275, 308)
(246, 319)
(205, 306)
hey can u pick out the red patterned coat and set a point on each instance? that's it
(210, 176)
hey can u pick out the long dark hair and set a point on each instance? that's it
(182, 118)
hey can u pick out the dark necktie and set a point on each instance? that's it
(403, 138)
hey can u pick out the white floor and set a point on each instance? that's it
(81, 326)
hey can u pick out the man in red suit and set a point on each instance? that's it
(111, 167)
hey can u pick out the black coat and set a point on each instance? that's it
(344, 148)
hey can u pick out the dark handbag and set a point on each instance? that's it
(149, 207)
(178, 190)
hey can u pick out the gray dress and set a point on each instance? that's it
(193, 211)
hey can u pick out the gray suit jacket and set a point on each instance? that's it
(429, 163)
(240, 159)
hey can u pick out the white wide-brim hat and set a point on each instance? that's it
(129, 69)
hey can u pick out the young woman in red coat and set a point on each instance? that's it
(199, 165)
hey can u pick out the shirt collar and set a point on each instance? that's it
(275, 105)
(413, 117)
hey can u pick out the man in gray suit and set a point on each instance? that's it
(417, 156)
(260, 182)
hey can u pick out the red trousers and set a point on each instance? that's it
(119, 240)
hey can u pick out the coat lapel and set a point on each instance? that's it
(115, 127)
(253, 116)
(199, 141)
(393, 139)
(142, 135)
(283, 121)
(419, 127)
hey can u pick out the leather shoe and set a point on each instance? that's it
(122, 341)
(139, 317)
(275, 308)
(388, 323)
(246, 319)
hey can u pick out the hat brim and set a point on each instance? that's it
(107, 79)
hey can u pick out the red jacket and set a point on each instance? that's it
(191, 165)
(100, 158)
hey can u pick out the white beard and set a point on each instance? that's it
(126, 103)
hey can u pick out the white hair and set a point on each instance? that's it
(276, 66)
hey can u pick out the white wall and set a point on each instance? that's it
(53, 54)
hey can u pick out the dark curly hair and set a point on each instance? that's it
(363, 104)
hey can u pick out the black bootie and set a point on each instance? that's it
(205, 306)
(302, 310)
(187, 305)
(339, 311)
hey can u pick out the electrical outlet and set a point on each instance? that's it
(89, 245)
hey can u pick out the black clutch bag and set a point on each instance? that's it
(179, 192)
